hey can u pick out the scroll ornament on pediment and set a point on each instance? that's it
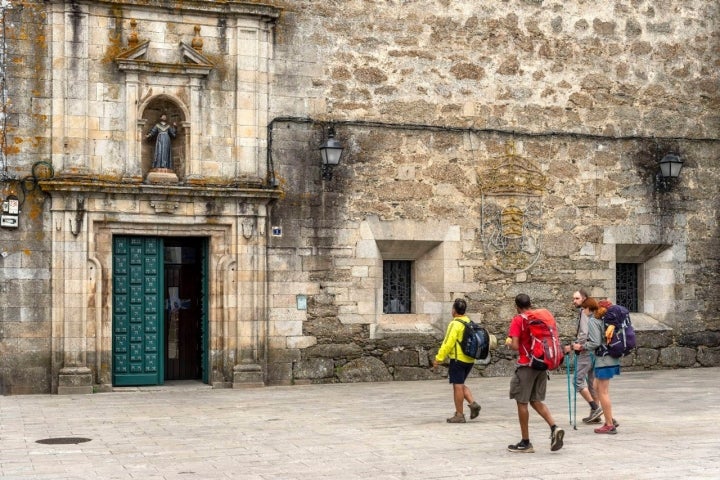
(511, 217)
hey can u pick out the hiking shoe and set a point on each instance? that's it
(594, 416)
(556, 439)
(457, 418)
(610, 429)
(474, 410)
(521, 447)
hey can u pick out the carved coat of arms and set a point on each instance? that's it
(511, 223)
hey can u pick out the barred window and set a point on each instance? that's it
(397, 279)
(626, 285)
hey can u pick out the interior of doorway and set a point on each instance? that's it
(183, 268)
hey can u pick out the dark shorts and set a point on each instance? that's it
(459, 371)
(528, 385)
(606, 373)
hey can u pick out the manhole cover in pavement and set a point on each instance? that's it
(63, 440)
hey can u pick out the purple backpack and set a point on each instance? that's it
(622, 341)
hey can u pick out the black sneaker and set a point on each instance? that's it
(594, 416)
(522, 447)
(556, 439)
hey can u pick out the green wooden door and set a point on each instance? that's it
(137, 311)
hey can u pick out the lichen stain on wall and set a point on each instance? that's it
(115, 45)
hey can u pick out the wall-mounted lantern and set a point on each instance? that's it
(670, 166)
(330, 151)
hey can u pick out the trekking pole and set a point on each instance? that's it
(575, 355)
(567, 371)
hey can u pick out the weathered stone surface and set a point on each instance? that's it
(677, 357)
(707, 338)
(364, 369)
(708, 357)
(347, 350)
(647, 357)
(402, 358)
(649, 339)
(582, 96)
(331, 329)
(314, 368)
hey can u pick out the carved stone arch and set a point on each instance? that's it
(150, 113)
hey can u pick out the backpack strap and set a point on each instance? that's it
(456, 319)
(524, 326)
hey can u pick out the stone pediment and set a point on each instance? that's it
(193, 63)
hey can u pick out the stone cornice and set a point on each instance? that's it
(86, 185)
(267, 13)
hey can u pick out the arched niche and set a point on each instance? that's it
(154, 109)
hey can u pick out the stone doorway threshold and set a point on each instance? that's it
(169, 385)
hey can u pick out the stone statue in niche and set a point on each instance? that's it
(163, 133)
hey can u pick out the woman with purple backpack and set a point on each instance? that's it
(606, 366)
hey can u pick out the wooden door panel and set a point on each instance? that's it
(137, 355)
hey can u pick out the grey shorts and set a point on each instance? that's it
(585, 374)
(528, 385)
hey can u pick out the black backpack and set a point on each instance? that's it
(475, 341)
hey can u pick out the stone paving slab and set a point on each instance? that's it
(669, 430)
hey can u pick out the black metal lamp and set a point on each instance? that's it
(670, 166)
(330, 151)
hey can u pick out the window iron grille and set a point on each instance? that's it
(396, 286)
(626, 285)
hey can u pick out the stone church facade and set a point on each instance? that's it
(490, 149)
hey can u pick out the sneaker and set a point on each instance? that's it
(556, 439)
(457, 418)
(474, 410)
(610, 429)
(594, 416)
(521, 447)
(615, 423)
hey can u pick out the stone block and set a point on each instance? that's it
(677, 357)
(401, 357)
(646, 357)
(650, 339)
(301, 342)
(708, 357)
(247, 376)
(364, 369)
(314, 368)
(707, 338)
(347, 350)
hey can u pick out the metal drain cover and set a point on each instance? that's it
(63, 440)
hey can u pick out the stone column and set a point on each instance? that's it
(69, 272)
(250, 290)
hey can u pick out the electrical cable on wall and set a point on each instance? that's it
(4, 6)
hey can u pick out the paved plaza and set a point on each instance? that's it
(669, 429)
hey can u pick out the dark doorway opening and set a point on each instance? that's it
(184, 300)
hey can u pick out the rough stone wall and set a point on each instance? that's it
(25, 340)
(426, 96)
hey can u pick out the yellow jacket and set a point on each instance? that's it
(451, 344)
